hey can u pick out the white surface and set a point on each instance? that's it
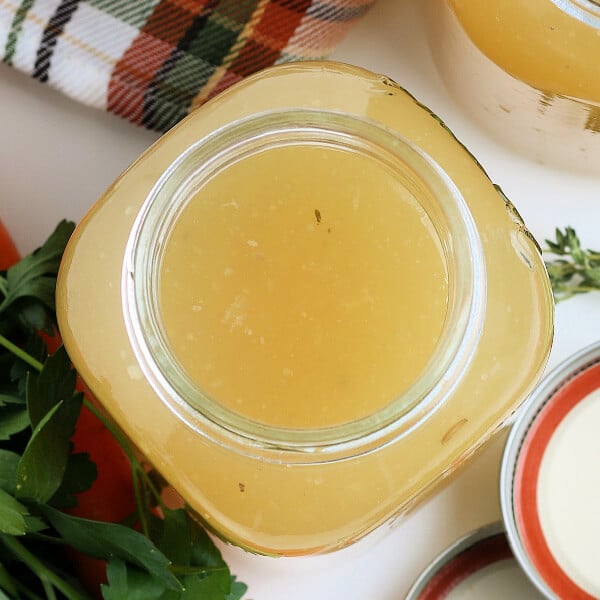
(57, 157)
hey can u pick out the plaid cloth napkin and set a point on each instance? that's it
(151, 61)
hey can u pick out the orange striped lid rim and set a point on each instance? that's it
(523, 457)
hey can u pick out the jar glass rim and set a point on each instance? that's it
(586, 11)
(461, 247)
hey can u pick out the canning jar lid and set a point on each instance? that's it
(478, 565)
(550, 480)
(549, 494)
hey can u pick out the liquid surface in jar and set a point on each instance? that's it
(568, 494)
(303, 287)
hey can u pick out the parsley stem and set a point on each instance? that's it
(114, 430)
(137, 469)
(138, 500)
(18, 352)
(49, 589)
(45, 575)
(155, 492)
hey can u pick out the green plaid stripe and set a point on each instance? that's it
(15, 30)
(203, 47)
(134, 13)
(152, 61)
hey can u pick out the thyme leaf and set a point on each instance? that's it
(572, 269)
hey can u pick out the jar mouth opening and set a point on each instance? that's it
(443, 203)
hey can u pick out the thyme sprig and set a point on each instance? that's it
(572, 269)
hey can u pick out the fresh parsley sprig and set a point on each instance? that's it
(158, 554)
(27, 289)
(572, 269)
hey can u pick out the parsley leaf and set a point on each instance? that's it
(79, 475)
(107, 540)
(157, 553)
(30, 285)
(55, 383)
(133, 584)
(13, 420)
(9, 462)
(12, 515)
(53, 411)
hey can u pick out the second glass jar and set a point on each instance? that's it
(527, 71)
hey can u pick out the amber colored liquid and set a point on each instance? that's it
(274, 506)
(536, 42)
(303, 287)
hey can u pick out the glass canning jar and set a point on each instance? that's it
(306, 305)
(527, 71)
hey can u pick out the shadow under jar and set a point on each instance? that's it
(527, 71)
(310, 305)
